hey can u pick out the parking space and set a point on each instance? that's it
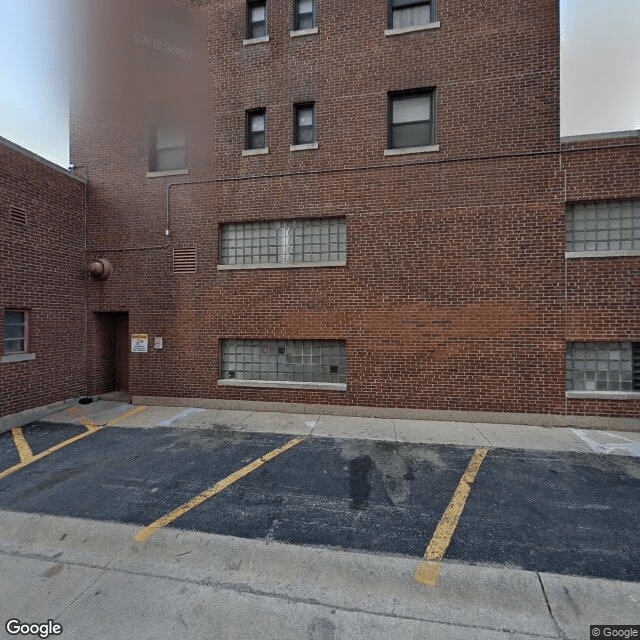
(571, 513)
(564, 513)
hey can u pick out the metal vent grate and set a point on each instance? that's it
(184, 260)
(636, 366)
(18, 215)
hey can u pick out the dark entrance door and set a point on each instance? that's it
(122, 351)
(111, 352)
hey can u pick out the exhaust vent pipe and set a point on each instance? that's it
(100, 269)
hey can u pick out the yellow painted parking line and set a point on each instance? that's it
(89, 425)
(24, 450)
(127, 415)
(429, 568)
(46, 453)
(148, 531)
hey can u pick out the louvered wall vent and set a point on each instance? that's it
(636, 366)
(18, 215)
(184, 260)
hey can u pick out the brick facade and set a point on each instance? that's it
(42, 271)
(456, 294)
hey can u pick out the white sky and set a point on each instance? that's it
(600, 72)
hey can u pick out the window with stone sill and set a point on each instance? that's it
(603, 366)
(315, 361)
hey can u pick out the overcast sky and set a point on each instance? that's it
(600, 72)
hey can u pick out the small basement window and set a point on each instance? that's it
(313, 361)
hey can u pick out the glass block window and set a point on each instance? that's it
(286, 241)
(15, 332)
(602, 366)
(305, 18)
(610, 225)
(410, 119)
(409, 13)
(284, 360)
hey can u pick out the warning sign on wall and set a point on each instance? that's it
(139, 343)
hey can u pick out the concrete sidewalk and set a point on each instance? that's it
(472, 434)
(92, 578)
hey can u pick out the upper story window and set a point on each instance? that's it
(304, 15)
(410, 13)
(168, 149)
(256, 19)
(304, 124)
(608, 227)
(411, 119)
(256, 129)
(15, 332)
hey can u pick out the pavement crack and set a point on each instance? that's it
(315, 424)
(489, 443)
(562, 635)
(85, 590)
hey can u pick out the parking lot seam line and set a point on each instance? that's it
(46, 453)
(128, 414)
(24, 450)
(90, 426)
(144, 534)
(429, 568)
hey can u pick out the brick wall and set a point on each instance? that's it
(453, 296)
(42, 271)
(603, 294)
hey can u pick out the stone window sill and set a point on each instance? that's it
(603, 395)
(282, 265)
(303, 32)
(618, 253)
(162, 174)
(407, 150)
(251, 41)
(303, 147)
(281, 384)
(17, 357)
(401, 30)
(255, 152)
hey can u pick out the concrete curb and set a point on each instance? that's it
(479, 601)
(531, 419)
(32, 415)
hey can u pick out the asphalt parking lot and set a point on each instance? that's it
(571, 513)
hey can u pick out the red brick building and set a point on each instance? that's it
(43, 281)
(377, 214)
